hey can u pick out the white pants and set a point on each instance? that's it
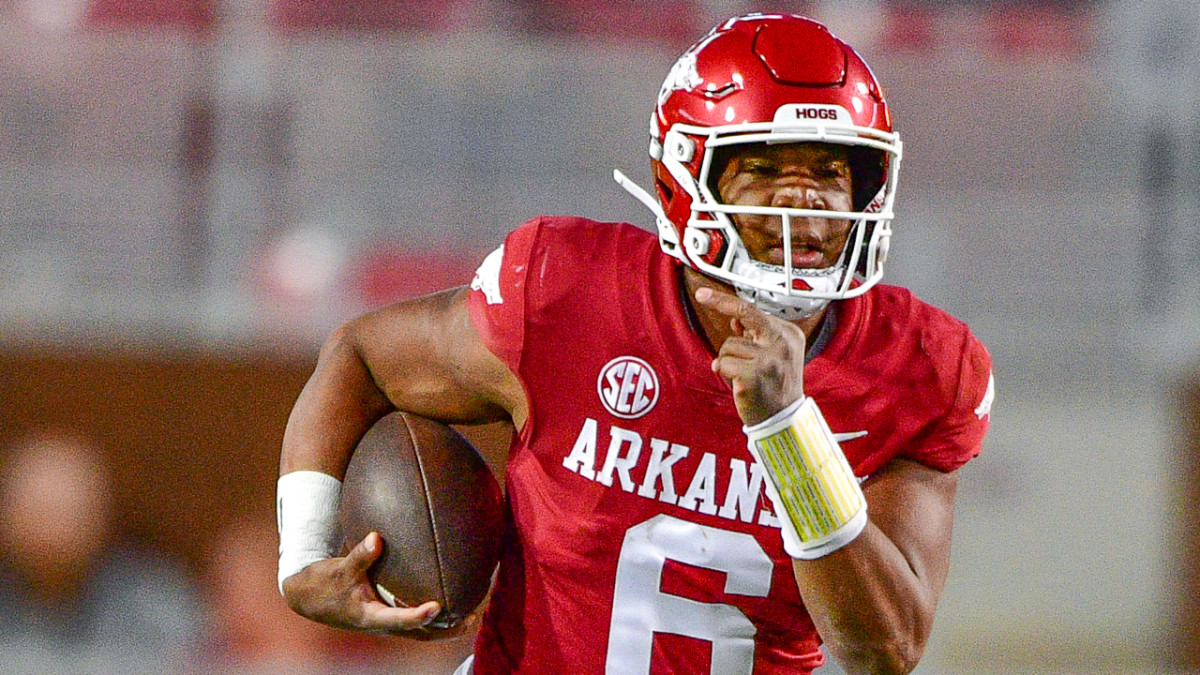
(466, 667)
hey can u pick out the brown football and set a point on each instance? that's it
(426, 490)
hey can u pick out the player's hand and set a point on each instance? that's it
(763, 360)
(338, 593)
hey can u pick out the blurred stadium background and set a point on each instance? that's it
(194, 192)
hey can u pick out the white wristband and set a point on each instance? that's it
(812, 488)
(306, 509)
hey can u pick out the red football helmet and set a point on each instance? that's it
(770, 78)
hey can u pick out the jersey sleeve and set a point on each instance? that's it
(497, 300)
(956, 438)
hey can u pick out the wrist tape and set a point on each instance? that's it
(306, 509)
(812, 488)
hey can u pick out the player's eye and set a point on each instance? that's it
(759, 168)
(838, 168)
(834, 170)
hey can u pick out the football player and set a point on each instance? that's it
(731, 442)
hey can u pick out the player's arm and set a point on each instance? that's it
(871, 561)
(422, 356)
(873, 600)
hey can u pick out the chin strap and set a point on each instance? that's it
(787, 307)
(768, 302)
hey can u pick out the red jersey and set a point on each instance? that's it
(641, 540)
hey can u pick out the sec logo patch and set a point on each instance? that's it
(628, 387)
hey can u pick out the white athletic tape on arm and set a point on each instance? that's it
(306, 509)
(811, 486)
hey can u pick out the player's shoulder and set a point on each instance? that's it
(896, 310)
(576, 234)
(567, 249)
(917, 356)
(916, 335)
(557, 258)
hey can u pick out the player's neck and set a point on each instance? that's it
(714, 327)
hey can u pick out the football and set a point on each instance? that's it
(429, 494)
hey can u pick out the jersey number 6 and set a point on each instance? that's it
(641, 609)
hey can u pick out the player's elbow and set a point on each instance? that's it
(883, 659)
(343, 339)
(898, 659)
(891, 653)
(342, 349)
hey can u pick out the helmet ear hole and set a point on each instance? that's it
(665, 193)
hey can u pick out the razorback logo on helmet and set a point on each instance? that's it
(683, 76)
(628, 387)
(798, 112)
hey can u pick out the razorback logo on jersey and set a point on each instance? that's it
(628, 387)
(985, 405)
(487, 277)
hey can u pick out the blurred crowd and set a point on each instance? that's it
(79, 595)
(666, 21)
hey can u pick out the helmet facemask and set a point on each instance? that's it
(784, 290)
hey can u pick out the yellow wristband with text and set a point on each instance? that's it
(812, 488)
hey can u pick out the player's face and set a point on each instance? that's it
(793, 175)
